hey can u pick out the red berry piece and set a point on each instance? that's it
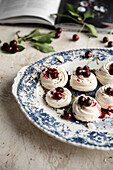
(109, 91)
(54, 75)
(88, 54)
(57, 35)
(67, 115)
(105, 39)
(13, 43)
(59, 30)
(86, 74)
(81, 100)
(88, 102)
(5, 46)
(75, 37)
(60, 89)
(110, 44)
(52, 92)
(57, 96)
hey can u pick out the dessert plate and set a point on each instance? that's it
(29, 94)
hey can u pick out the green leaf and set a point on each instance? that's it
(111, 32)
(97, 62)
(92, 30)
(52, 34)
(45, 48)
(72, 8)
(72, 100)
(66, 16)
(21, 48)
(34, 33)
(0, 41)
(73, 13)
(19, 40)
(88, 15)
(44, 37)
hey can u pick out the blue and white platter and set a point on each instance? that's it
(29, 95)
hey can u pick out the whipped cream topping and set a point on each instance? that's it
(105, 100)
(81, 83)
(64, 101)
(50, 83)
(103, 74)
(84, 113)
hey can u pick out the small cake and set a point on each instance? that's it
(104, 96)
(83, 79)
(86, 109)
(58, 97)
(105, 74)
(54, 76)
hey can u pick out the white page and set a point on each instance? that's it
(37, 8)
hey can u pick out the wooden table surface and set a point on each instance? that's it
(22, 145)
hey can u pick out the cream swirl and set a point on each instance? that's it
(59, 81)
(84, 113)
(105, 100)
(103, 74)
(64, 101)
(81, 83)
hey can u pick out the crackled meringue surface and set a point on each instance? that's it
(64, 101)
(81, 83)
(105, 100)
(86, 114)
(50, 83)
(103, 74)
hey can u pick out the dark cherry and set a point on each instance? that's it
(109, 91)
(57, 96)
(86, 68)
(88, 102)
(79, 71)
(54, 75)
(111, 66)
(60, 89)
(15, 49)
(105, 39)
(67, 115)
(86, 74)
(5, 45)
(88, 54)
(57, 35)
(59, 30)
(111, 71)
(13, 43)
(110, 44)
(9, 49)
(81, 100)
(75, 37)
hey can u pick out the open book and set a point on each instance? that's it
(39, 11)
